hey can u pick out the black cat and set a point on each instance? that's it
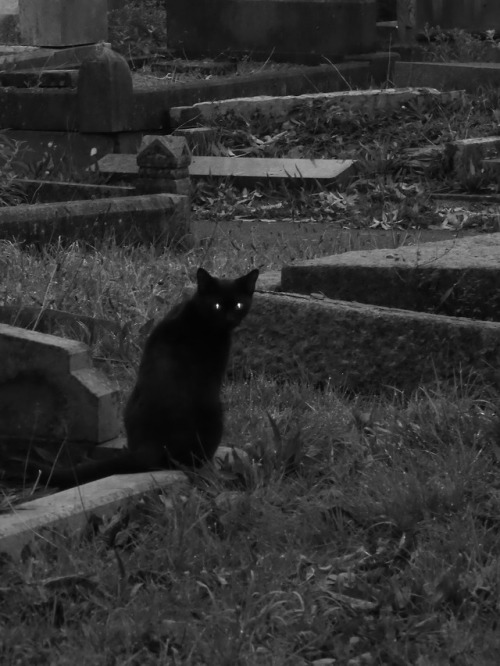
(174, 415)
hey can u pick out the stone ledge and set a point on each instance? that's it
(155, 218)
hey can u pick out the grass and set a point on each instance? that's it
(359, 530)
(355, 531)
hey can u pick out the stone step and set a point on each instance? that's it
(244, 170)
(457, 277)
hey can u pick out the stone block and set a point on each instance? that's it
(361, 347)
(292, 30)
(49, 389)
(68, 512)
(62, 22)
(164, 151)
(39, 109)
(448, 75)
(156, 219)
(465, 156)
(105, 93)
(455, 277)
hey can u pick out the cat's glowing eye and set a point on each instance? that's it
(217, 306)
(239, 306)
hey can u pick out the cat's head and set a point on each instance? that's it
(224, 303)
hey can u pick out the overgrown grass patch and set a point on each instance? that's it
(374, 542)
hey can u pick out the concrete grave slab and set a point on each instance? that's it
(25, 57)
(49, 389)
(361, 347)
(459, 276)
(465, 155)
(244, 170)
(280, 107)
(70, 510)
(448, 75)
(156, 219)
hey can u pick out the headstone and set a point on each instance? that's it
(294, 30)
(63, 22)
(105, 93)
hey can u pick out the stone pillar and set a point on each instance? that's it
(63, 22)
(105, 93)
(163, 163)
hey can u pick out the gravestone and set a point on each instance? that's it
(63, 22)
(293, 30)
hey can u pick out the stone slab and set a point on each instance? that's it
(360, 347)
(69, 511)
(459, 276)
(466, 155)
(448, 75)
(157, 219)
(280, 107)
(244, 170)
(49, 389)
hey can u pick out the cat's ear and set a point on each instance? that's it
(247, 282)
(204, 280)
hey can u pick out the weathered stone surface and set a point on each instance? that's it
(62, 22)
(69, 511)
(362, 347)
(199, 139)
(181, 186)
(49, 389)
(448, 75)
(38, 109)
(280, 107)
(156, 218)
(291, 30)
(466, 155)
(31, 57)
(244, 170)
(105, 93)
(472, 15)
(455, 277)
(381, 64)
(164, 151)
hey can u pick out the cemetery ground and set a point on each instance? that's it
(362, 528)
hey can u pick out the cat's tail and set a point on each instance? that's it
(124, 462)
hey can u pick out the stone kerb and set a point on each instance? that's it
(361, 347)
(49, 389)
